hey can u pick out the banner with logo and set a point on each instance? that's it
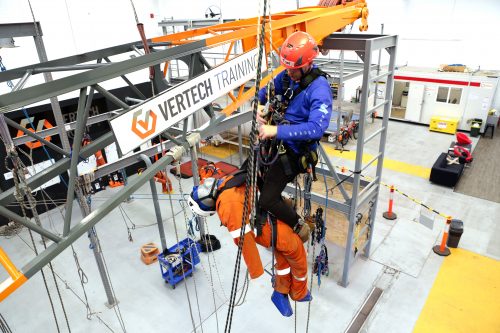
(151, 118)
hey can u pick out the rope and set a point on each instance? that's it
(116, 308)
(4, 327)
(19, 177)
(140, 28)
(417, 201)
(69, 288)
(251, 176)
(81, 273)
(183, 274)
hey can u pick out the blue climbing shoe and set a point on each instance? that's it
(307, 298)
(282, 303)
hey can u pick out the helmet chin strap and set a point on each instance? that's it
(303, 73)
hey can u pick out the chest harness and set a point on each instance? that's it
(275, 110)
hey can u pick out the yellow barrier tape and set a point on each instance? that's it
(419, 202)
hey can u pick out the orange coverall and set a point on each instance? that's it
(291, 262)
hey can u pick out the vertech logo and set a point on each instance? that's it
(44, 123)
(146, 127)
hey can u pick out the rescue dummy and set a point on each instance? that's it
(226, 197)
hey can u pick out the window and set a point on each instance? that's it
(455, 94)
(449, 95)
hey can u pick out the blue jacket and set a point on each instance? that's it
(308, 113)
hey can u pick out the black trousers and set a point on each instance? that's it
(274, 183)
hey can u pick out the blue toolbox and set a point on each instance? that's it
(178, 262)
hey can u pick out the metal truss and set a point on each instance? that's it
(187, 46)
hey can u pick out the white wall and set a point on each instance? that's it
(431, 32)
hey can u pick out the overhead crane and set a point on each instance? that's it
(318, 21)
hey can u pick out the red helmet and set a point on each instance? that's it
(298, 50)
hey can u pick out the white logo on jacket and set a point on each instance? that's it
(323, 109)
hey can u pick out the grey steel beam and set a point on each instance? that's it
(368, 196)
(383, 136)
(217, 127)
(384, 42)
(28, 224)
(127, 81)
(56, 108)
(327, 172)
(19, 29)
(23, 81)
(35, 265)
(333, 173)
(196, 181)
(39, 70)
(69, 127)
(82, 114)
(358, 164)
(321, 199)
(357, 42)
(40, 92)
(71, 60)
(156, 205)
(196, 23)
(112, 98)
(34, 135)
(58, 167)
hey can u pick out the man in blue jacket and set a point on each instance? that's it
(307, 95)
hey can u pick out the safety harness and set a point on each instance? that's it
(305, 81)
(306, 158)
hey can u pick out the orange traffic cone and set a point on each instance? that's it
(99, 159)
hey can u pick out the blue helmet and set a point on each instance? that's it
(203, 197)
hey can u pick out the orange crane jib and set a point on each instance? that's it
(318, 21)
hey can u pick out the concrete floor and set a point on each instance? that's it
(401, 263)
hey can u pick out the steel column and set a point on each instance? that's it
(156, 204)
(358, 163)
(81, 119)
(383, 137)
(56, 108)
(196, 181)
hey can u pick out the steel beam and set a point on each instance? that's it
(34, 135)
(383, 137)
(19, 29)
(321, 199)
(57, 168)
(82, 113)
(28, 224)
(358, 163)
(205, 131)
(64, 85)
(39, 70)
(69, 127)
(71, 60)
(91, 220)
(156, 205)
(357, 42)
(112, 98)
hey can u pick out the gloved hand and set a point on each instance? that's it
(302, 229)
